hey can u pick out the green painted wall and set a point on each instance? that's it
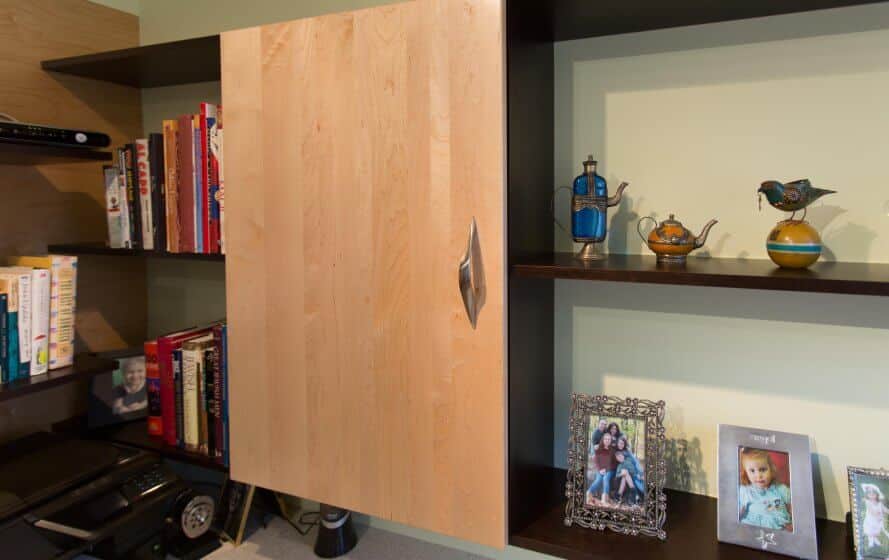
(694, 119)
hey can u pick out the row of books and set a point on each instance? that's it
(187, 379)
(37, 305)
(165, 192)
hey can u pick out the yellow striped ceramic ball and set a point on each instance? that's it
(794, 244)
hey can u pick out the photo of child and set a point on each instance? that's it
(615, 470)
(764, 498)
(128, 386)
(873, 514)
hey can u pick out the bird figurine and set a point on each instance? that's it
(791, 197)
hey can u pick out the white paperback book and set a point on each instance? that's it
(40, 292)
(143, 180)
(192, 356)
(112, 208)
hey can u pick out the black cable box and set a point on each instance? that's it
(49, 135)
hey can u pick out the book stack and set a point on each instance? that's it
(187, 378)
(165, 192)
(37, 305)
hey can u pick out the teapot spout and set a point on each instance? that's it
(614, 200)
(702, 238)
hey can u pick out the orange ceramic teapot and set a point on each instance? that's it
(671, 241)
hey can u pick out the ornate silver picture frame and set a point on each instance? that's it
(616, 466)
(766, 491)
(868, 494)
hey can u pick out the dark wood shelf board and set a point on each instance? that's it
(101, 249)
(22, 153)
(163, 64)
(691, 533)
(575, 19)
(757, 274)
(135, 434)
(85, 366)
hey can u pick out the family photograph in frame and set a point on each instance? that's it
(766, 491)
(868, 492)
(616, 471)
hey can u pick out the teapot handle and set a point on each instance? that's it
(639, 227)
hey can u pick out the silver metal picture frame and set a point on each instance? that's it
(868, 494)
(646, 514)
(766, 491)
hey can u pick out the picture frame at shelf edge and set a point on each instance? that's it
(588, 508)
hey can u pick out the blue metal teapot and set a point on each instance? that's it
(589, 209)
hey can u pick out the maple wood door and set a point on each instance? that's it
(359, 148)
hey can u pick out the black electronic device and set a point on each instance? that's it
(64, 496)
(28, 133)
(336, 534)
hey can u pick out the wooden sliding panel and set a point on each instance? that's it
(359, 147)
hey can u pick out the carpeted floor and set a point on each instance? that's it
(279, 541)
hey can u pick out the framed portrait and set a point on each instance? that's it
(616, 468)
(120, 395)
(766, 493)
(868, 492)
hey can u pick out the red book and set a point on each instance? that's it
(185, 158)
(207, 113)
(153, 385)
(165, 346)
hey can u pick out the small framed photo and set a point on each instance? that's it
(616, 468)
(120, 395)
(868, 493)
(233, 512)
(766, 493)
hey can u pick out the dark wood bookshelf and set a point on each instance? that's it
(85, 366)
(102, 249)
(691, 533)
(759, 274)
(575, 19)
(22, 153)
(135, 434)
(164, 64)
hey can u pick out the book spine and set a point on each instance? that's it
(203, 440)
(112, 207)
(210, 398)
(212, 181)
(40, 310)
(216, 364)
(185, 156)
(158, 200)
(199, 198)
(171, 183)
(153, 389)
(62, 303)
(4, 338)
(143, 178)
(207, 120)
(126, 201)
(177, 386)
(191, 416)
(9, 285)
(220, 160)
(165, 351)
(133, 197)
(25, 334)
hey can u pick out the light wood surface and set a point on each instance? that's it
(66, 203)
(359, 146)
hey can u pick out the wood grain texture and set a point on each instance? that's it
(359, 148)
(65, 202)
